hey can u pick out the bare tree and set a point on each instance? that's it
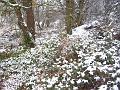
(80, 12)
(69, 15)
(29, 16)
(28, 30)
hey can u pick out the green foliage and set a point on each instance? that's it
(27, 40)
(9, 54)
(49, 49)
(55, 72)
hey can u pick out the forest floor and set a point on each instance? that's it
(53, 63)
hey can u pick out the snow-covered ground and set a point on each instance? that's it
(97, 66)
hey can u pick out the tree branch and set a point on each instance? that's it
(12, 4)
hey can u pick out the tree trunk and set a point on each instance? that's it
(27, 39)
(69, 16)
(80, 14)
(30, 17)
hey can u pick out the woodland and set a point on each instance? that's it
(59, 44)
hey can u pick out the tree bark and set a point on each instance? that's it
(27, 39)
(69, 16)
(30, 17)
(80, 14)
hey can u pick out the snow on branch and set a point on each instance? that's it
(12, 5)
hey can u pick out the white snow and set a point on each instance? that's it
(103, 87)
(97, 78)
(118, 80)
(85, 81)
(118, 71)
(2, 50)
(52, 81)
(95, 23)
(72, 81)
(79, 81)
(83, 74)
(80, 32)
(115, 87)
(27, 63)
(75, 88)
